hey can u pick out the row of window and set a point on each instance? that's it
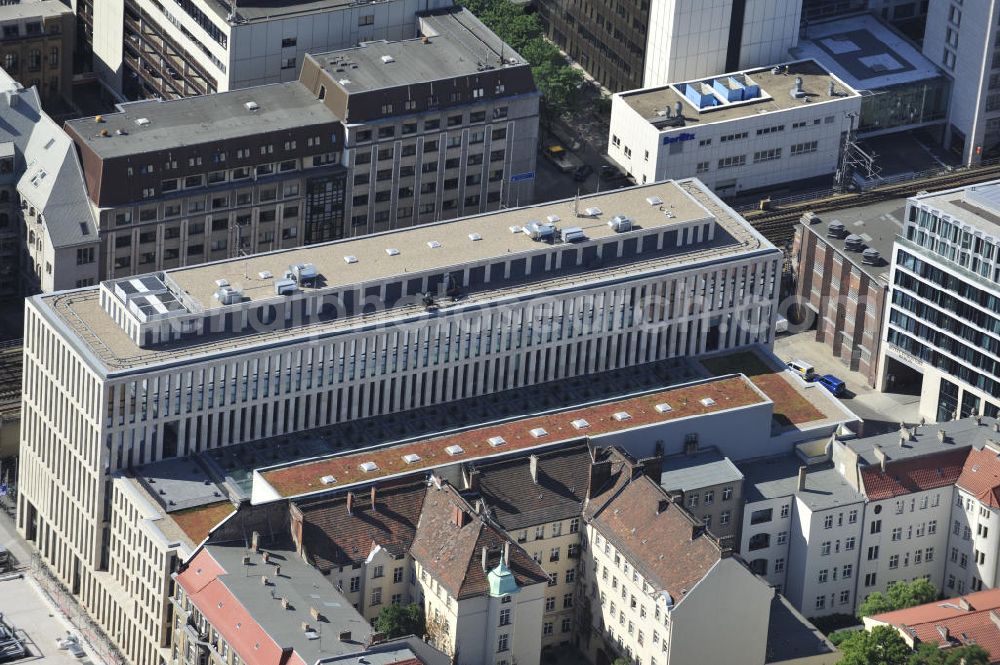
(411, 127)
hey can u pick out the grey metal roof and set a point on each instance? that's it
(51, 180)
(777, 477)
(703, 469)
(790, 636)
(925, 441)
(202, 119)
(399, 650)
(179, 483)
(305, 588)
(456, 44)
(878, 225)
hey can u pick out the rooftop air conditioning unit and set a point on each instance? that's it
(620, 224)
(871, 257)
(285, 287)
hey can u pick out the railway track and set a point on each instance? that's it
(778, 225)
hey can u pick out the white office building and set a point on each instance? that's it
(736, 132)
(962, 38)
(693, 38)
(145, 48)
(942, 326)
(165, 365)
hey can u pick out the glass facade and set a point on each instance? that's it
(904, 104)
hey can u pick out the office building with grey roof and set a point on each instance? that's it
(145, 50)
(381, 136)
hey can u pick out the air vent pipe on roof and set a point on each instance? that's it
(679, 109)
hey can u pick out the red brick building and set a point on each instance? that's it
(841, 285)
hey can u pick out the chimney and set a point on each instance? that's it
(533, 465)
(306, 627)
(350, 503)
(255, 541)
(979, 419)
(484, 558)
(881, 457)
(345, 636)
(942, 436)
(833, 89)
(472, 480)
(265, 556)
(284, 603)
(315, 614)
(662, 505)
(902, 440)
(374, 508)
(679, 109)
(802, 477)
(277, 571)
(263, 580)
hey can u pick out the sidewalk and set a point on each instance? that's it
(32, 611)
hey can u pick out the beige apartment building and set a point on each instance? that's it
(655, 578)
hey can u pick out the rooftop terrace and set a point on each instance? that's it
(737, 95)
(431, 247)
(534, 431)
(453, 44)
(149, 126)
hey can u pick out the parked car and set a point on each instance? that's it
(582, 172)
(803, 369)
(832, 383)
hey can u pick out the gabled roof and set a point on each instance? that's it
(518, 501)
(331, 536)
(967, 620)
(449, 543)
(660, 539)
(52, 179)
(981, 476)
(915, 474)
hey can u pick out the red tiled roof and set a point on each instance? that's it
(981, 476)
(965, 626)
(333, 537)
(913, 475)
(666, 546)
(726, 393)
(200, 580)
(453, 553)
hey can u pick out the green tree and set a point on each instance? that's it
(882, 645)
(400, 620)
(928, 653)
(899, 596)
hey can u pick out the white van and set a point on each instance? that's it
(802, 368)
